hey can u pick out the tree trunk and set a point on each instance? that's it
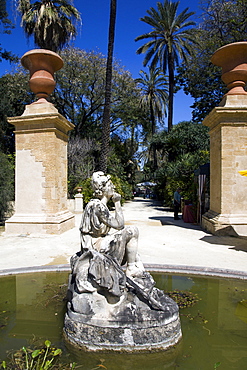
(153, 149)
(105, 140)
(171, 91)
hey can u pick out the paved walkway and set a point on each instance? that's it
(163, 244)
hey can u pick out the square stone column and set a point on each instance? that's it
(41, 135)
(228, 156)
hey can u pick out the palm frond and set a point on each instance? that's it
(49, 21)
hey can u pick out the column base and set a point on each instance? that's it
(27, 224)
(224, 224)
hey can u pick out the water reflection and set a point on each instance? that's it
(29, 309)
(214, 330)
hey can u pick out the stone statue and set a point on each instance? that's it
(119, 245)
(102, 296)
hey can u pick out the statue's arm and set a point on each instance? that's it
(117, 221)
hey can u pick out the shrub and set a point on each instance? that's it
(122, 187)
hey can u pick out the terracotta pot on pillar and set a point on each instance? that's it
(42, 64)
(41, 137)
(228, 150)
(233, 60)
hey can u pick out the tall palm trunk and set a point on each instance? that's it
(105, 140)
(153, 146)
(171, 91)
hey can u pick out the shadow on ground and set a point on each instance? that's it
(168, 220)
(236, 243)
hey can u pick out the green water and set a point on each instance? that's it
(214, 329)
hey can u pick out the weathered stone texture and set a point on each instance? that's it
(228, 156)
(41, 172)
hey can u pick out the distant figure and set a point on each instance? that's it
(177, 203)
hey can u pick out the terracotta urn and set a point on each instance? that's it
(233, 60)
(42, 64)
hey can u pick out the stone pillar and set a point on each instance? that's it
(78, 203)
(228, 156)
(41, 172)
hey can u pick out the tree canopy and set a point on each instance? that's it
(180, 152)
(169, 42)
(222, 22)
(6, 26)
(15, 95)
(78, 93)
(50, 22)
(78, 96)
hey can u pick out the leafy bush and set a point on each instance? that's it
(87, 190)
(6, 184)
(181, 152)
(122, 187)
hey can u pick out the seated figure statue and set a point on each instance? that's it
(107, 245)
(97, 224)
(110, 307)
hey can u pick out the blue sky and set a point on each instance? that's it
(93, 35)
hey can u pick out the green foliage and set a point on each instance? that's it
(183, 298)
(154, 95)
(78, 93)
(87, 190)
(185, 137)
(51, 22)
(6, 26)
(121, 161)
(171, 35)
(6, 184)
(43, 358)
(216, 365)
(82, 154)
(15, 95)
(170, 41)
(222, 22)
(154, 99)
(122, 187)
(78, 96)
(181, 152)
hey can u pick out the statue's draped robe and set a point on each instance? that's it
(107, 250)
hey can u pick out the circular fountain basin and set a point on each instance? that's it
(214, 329)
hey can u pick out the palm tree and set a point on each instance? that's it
(154, 94)
(105, 140)
(154, 97)
(171, 40)
(49, 21)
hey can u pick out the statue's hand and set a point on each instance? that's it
(116, 197)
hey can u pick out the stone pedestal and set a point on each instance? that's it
(78, 203)
(228, 156)
(41, 172)
(143, 318)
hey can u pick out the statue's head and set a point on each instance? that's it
(99, 181)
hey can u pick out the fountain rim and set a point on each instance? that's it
(199, 271)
